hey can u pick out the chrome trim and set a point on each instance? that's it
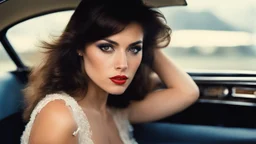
(205, 78)
(2, 1)
(227, 102)
(242, 72)
(215, 91)
(240, 95)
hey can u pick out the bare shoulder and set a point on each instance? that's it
(54, 124)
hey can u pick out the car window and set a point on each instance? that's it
(6, 64)
(27, 37)
(213, 35)
(206, 35)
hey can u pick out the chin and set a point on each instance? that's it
(117, 91)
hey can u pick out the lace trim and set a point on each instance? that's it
(124, 127)
(84, 133)
(75, 132)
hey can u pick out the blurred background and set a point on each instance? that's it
(212, 35)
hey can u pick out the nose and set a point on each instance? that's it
(121, 61)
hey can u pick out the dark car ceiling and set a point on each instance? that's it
(13, 11)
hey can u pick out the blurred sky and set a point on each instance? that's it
(239, 12)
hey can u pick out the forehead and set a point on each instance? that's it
(132, 32)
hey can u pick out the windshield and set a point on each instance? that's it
(206, 35)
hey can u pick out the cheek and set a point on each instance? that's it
(135, 62)
(95, 62)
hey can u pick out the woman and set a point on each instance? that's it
(99, 77)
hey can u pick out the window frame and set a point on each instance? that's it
(10, 49)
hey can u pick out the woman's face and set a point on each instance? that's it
(111, 63)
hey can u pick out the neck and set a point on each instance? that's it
(95, 98)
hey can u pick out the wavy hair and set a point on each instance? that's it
(62, 69)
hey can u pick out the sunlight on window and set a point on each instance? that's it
(27, 36)
(207, 35)
(213, 35)
(209, 38)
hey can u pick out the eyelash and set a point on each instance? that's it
(104, 46)
(136, 48)
(109, 48)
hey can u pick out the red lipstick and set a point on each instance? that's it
(119, 79)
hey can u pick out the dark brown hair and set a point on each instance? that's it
(62, 69)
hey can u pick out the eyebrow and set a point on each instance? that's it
(115, 43)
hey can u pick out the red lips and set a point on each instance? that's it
(119, 79)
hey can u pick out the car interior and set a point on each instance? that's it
(224, 113)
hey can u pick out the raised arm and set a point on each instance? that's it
(180, 93)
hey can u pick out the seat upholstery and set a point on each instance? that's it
(12, 124)
(169, 133)
(11, 97)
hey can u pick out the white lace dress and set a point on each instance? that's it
(83, 131)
